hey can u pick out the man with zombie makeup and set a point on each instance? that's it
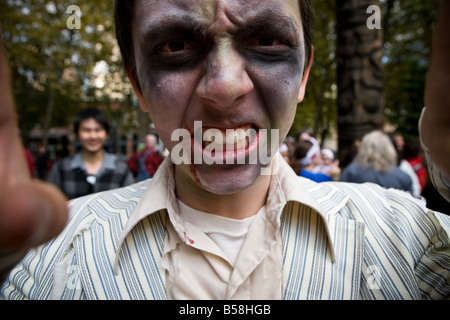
(222, 229)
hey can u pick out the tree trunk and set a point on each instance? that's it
(359, 74)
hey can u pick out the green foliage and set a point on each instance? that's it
(407, 51)
(58, 70)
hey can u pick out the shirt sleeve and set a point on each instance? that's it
(433, 269)
(50, 271)
(425, 243)
(32, 278)
(440, 180)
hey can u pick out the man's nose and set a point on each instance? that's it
(225, 78)
(94, 134)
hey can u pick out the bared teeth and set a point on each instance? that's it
(229, 139)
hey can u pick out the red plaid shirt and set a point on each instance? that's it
(152, 162)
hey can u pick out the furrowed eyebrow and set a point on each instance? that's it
(178, 25)
(278, 24)
(186, 25)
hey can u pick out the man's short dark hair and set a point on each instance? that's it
(89, 113)
(123, 16)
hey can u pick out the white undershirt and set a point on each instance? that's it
(228, 234)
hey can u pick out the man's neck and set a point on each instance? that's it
(93, 160)
(239, 205)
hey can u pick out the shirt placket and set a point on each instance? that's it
(261, 239)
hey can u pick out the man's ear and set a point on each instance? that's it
(137, 90)
(301, 94)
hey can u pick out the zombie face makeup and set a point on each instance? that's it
(231, 65)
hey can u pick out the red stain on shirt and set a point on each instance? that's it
(189, 239)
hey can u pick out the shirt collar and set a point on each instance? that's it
(160, 191)
(285, 186)
(108, 161)
(77, 161)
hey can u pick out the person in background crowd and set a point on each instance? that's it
(399, 141)
(92, 169)
(30, 161)
(330, 164)
(400, 146)
(351, 154)
(413, 153)
(144, 163)
(376, 162)
(28, 156)
(290, 142)
(284, 151)
(306, 159)
(43, 163)
(303, 135)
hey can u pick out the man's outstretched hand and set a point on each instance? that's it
(435, 123)
(31, 212)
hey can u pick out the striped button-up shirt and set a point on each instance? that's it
(338, 241)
